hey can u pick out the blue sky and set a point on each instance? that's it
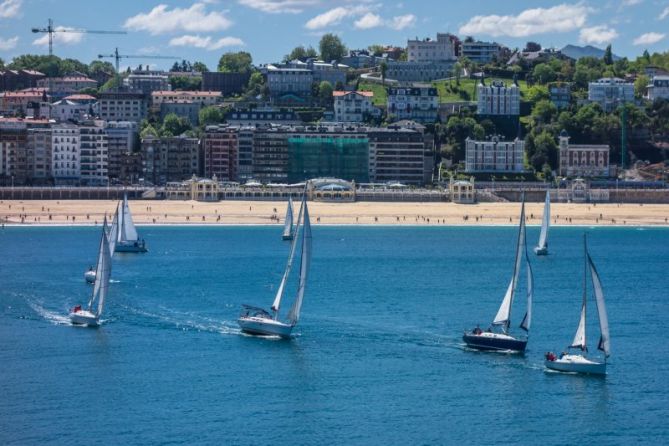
(204, 29)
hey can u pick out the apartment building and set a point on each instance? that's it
(170, 159)
(65, 154)
(498, 98)
(353, 106)
(610, 92)
(428, 50)
(122, 106)
(220, 150)
(419, 103)
(93, 153)
(494, 155)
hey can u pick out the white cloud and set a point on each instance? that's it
(665, 13)
(631, 2)
(328, 18)
(161, 20)
(206, 43)
(10, 8)
(560, 18)
(403, 21)
(61, 36)
(648, 38)
(369, 20)
(279, 6)
(8, 44)
(597, 35)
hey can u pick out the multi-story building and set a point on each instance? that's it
(658, 88)
(146, 82)
(333, 73)
(481, 52)
(361, 59)
(262, 116)
(399, 153)
(188, 110)
(65, 154)
(610, 92)
(560, 94)
(12, 80)
(498, 98)
(245, 153)
(170, 159)
(204, 98)
(428, 50)
(584, 160)
(39, 155)
(21, 102)
(220, 149)
(15, 154)
(494, 155)
(130, 170)
(353, 106)
(289, 85)
(421, 71)
(270, 154)
(67, 110)
(225, 83)
(419, 103)
(93, 154)
(67, 85)
(122, 106)
(122, 138)
(328, 151)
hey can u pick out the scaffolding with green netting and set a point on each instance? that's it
(344, 158)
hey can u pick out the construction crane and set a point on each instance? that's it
(118, 57)
(50, 29)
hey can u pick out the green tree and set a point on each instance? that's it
(331, 48)
(211, 115)
(608, 55)
(543, 112)
(185, 83)
(301, 53)
(148, 131)
(544, 73)
(545, 151)
(376, 50)
(640, 85)
(325, 93)
(536, 93)
(384, 69)
(239, 62)
(200, 67)
(174, 125)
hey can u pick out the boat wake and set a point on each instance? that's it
(56, 318)
(183, 321)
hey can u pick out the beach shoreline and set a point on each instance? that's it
(267, 213)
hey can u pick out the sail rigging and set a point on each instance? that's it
(279, 294)
(128, 233)
(112, 233)
(545, 222)
(288, 226)
(102, 274)
(605, 340)
(305, 261)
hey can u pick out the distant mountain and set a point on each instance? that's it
(576, 52)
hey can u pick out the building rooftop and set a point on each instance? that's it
(368, 94)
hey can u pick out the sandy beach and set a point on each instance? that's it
(90, 212)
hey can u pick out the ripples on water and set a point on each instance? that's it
(377, 357)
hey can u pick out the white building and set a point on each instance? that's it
(39, 156)
(610, 92)
(147, 82)
(121, 139)
(289, 83)
(62, 86)
(658, 88)
(65, 153)
(428, 50)
(204, 98)
(94, 154)
(65, 110)
(481, 52)
(122, 106)
(353, 106)
(419, 103)
(494, 155)
(584, 160)
(498, 98)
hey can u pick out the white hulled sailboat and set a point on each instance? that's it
(288, 225)
(256, 320)
(112, 232)
(494, 340)
(542, 248)
(579, 363)
(89, 316)
(127, 239)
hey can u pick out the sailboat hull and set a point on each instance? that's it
(541, 251)
(89, 276)
(84, 317)
(488, 341)
(264, 327)
(131, 247)
(576, 364)
(287, 237)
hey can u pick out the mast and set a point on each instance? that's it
(580, 338)
(279, 294)
(503, 316)
(305, 262)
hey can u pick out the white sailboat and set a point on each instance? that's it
(579, 363)
(542, 248)
(127, 239)
(256, 320)
(496, 340)
(112, 232)
(288, 225)
(91, 316)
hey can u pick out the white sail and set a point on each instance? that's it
(112, 234)
(579, 338)
(288, 226)
(527, 320)
(545, 221)
(605, 340)
(279, 293)
(503, 316)
(305, 262)
(102, 274)
(129, 233)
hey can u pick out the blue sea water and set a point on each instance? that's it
(377, 357)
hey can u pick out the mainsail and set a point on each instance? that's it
(127, 232)
(605, 340)
(279, 294)
(503, 316)
(305, 261)
(112, 233)
(527, 320)
(288, 227)
(102, 274)
(545, 221)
